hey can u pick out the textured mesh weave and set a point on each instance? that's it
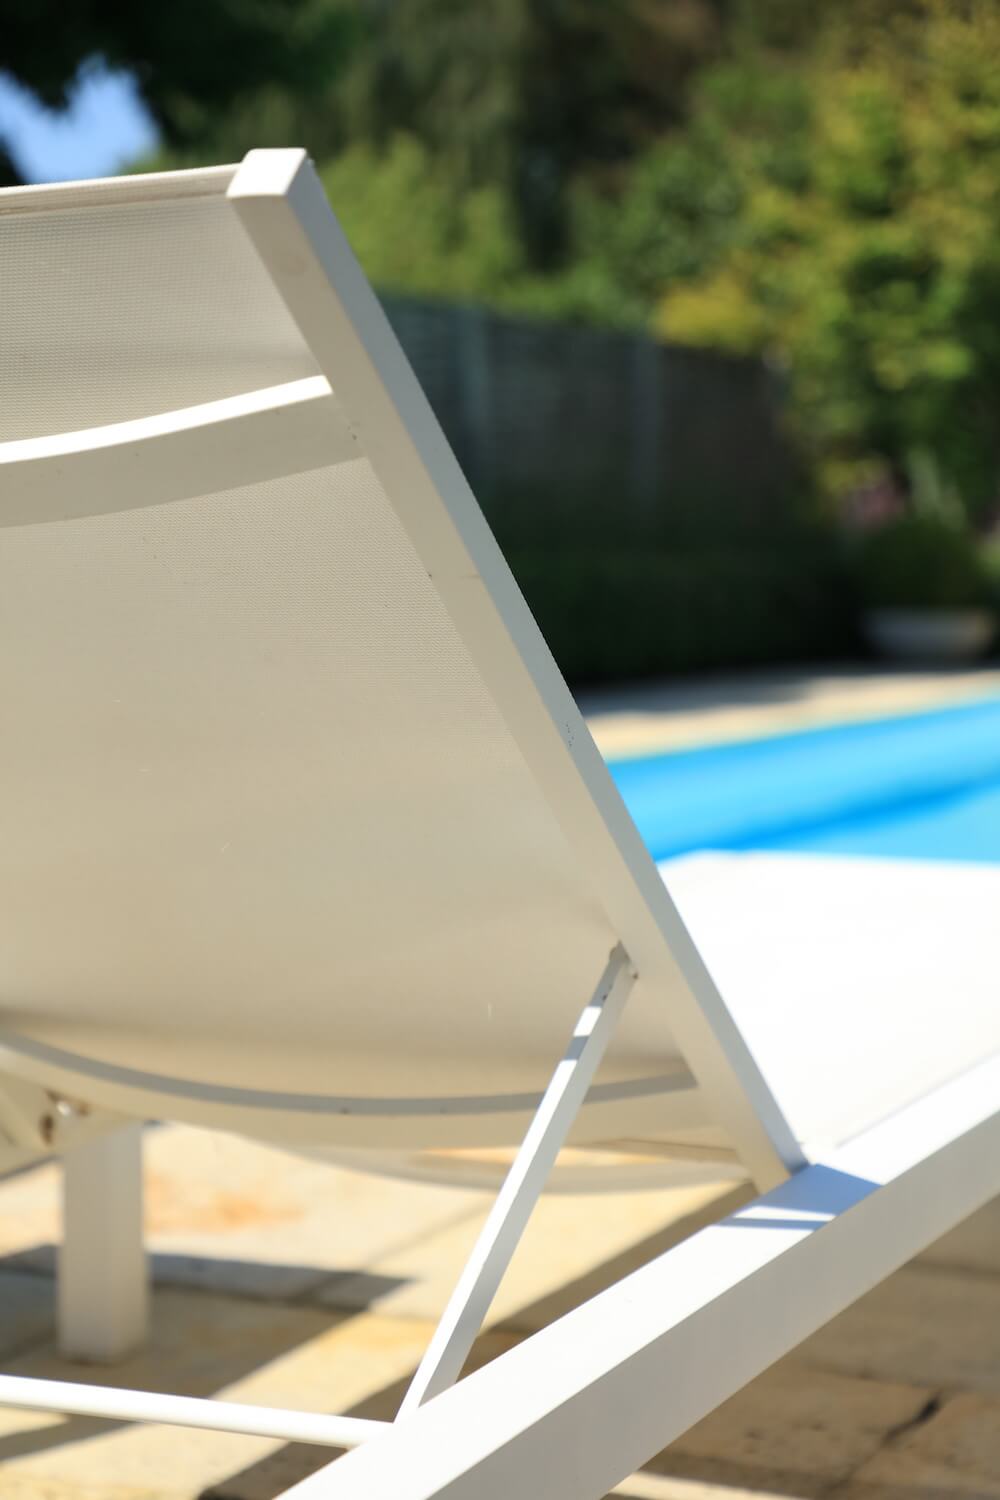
(263, 825)
(127, 310)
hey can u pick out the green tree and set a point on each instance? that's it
(684, 205)
(207, 69)
(471, 150)
(868, 259)
(529, 96)
(413, 233)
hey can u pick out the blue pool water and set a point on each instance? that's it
(923, 786)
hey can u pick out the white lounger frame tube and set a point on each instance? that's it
(238, 440)
(102, 1282)
(575, 1408)
(283, 208)
(120, 1405)
(578, 1406)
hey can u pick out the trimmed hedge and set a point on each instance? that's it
(923, 562)
(618, 613)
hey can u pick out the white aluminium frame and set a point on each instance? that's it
(284, 210)
(585, 1402)
(104, 1294)
(578, 1406)
(238, 440)
(575, 1408)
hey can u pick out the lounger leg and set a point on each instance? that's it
(103, 1279)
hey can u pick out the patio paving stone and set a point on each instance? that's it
(956, 1452)
(931, 1327)
(565, 1245)
(793, 1431)
(973, 1246)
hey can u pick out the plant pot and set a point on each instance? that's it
(938, 636)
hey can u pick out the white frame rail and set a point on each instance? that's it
(103, 1194)
(286, 429)
(577, 1407)
(282, 206)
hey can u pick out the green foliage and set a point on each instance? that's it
(415, 232)
(617, 613)
(531, 97)
(211, 72)
(865, 255)
(529, 100)
(989, 557)
(686, 199)
(412, 233)
(922, 562)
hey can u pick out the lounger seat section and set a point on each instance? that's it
(860, 985)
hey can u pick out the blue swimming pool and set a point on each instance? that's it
(921, 786)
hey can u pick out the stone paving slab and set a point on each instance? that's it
(24, 1487)
(206, 1345)
(972, 1246)
(200, 1346)
(956, 1452)
(827, 1418)
(208, 1192)
(263, 1201)
(29, 1209)
(645, 1486)
(567, 1238)
(793, 1431)
(28, 1306)
(931, 1327)
(287, 1464)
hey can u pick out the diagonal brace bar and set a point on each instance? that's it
(113, 1403)
(576, 1407)
(500, 1235)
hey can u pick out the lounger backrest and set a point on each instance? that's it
(293, 794)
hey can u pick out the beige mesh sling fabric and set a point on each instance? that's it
(281, 848)
(303, 837)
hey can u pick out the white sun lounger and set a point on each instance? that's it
(304, 838)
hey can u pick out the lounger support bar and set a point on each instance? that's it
(658, 1349)
(115, 1404)
(476, 1287)
(577, 1407)
(286, 429)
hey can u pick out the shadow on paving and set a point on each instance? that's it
(202, 1344)
(256, 1280)
(270, 1477)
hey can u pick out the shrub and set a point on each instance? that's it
(873, 275)
(620, 613)
(922, 562)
